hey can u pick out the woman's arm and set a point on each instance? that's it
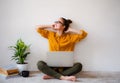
(43, 30)
(79, 34)
(75, 31)
(44, 26)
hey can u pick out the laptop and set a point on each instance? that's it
(60, 59)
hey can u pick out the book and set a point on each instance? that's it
(9, 70)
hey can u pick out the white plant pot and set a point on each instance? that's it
(22, 67)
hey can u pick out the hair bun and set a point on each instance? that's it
(69, 21)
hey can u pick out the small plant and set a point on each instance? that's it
(21, 50)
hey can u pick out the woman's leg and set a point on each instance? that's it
(77, 67)
(42, 66)
(49, 71)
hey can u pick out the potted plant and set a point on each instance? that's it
(21, 50)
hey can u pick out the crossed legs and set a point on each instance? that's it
(65, 75)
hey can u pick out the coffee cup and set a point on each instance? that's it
(25, 73)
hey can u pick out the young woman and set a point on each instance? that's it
(63, 38)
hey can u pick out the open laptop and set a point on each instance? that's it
(60, 59)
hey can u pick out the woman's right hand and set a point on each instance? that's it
(44, 26)
(53, 26)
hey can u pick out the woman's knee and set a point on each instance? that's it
(41, 65)
(78, 66)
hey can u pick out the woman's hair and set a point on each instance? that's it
(66, 23)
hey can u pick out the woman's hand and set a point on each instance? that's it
(53, 26)
(44, 26)
(69, 30)
(74, 31)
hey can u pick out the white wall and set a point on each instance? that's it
(100, 18)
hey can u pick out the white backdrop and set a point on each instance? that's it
(100, 18)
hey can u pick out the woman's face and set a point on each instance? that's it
(59, 25)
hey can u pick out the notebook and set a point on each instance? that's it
(60, 59)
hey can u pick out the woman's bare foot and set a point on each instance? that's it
(47, 77)
(70, 78)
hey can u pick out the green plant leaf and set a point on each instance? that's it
(20, 51)
(25, 55)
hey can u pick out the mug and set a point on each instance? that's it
(25, 73)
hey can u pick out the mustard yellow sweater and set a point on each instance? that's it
(65, 42)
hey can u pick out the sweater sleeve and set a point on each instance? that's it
(43, 32)
(77, 37)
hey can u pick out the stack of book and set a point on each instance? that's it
(9, 70)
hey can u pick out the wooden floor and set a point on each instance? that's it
(82, 77)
